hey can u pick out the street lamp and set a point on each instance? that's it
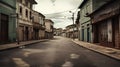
(73, 21)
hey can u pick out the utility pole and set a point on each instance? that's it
(73, 22)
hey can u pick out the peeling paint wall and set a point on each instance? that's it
(109, 31)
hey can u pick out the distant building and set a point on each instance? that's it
(63, 33)
(58, 31)
(71, 31)
(24, 10)
(8, 21)
(54, 31)
(42, 26)
(38, 25)
(106, 24)
(49, 28)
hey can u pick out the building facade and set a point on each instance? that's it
(106, 24)
(7, 21)
(63, 33)
(24, 10)
(87, 7)
(58, 31)
(36, 25)
(55, 32)
(42, 26)
(71, 31)
(85, 24)
(49, 28)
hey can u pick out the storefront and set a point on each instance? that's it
(106, 25)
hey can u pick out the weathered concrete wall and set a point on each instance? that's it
(85, 21)
(109, 31)
(9, 10)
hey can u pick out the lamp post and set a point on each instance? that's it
(73, 22)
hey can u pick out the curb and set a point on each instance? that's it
(98, 52)
(22, 45)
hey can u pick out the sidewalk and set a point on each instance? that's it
(111, 52)
(14, 45)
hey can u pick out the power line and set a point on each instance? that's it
(61, 12)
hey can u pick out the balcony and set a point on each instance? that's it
(36, 25)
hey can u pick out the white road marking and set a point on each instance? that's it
(30, 51)
(20, 63)
(26, 54)
(74, 56)
(67, 64)
(21, 47)
(46, 66)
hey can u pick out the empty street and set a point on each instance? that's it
(58, 52)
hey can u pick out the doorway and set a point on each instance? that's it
(26, 33)
(82, 34)
(115, 25)
(4, 27)
(88, 34)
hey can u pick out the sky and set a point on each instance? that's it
(58, 10)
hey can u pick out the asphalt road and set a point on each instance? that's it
(58, 52)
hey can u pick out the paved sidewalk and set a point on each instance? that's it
(14, 45)
(111, 52)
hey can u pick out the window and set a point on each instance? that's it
(26, 13)
(87, 9)
(41, 20)
(33, 18)
(30, 6)
(20, 10)
(20, 1)
(30, 15)
(26, 2)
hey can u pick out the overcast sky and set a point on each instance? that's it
(58, 10)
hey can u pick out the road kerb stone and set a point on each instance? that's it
(101, 51)
(15, 45)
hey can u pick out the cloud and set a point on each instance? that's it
(57, 11)
(62, 24)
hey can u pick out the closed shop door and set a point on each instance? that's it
(116, 32)
(21, 33)
(103, 35)
(4, 28)
(88, 34)
(26, 33)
